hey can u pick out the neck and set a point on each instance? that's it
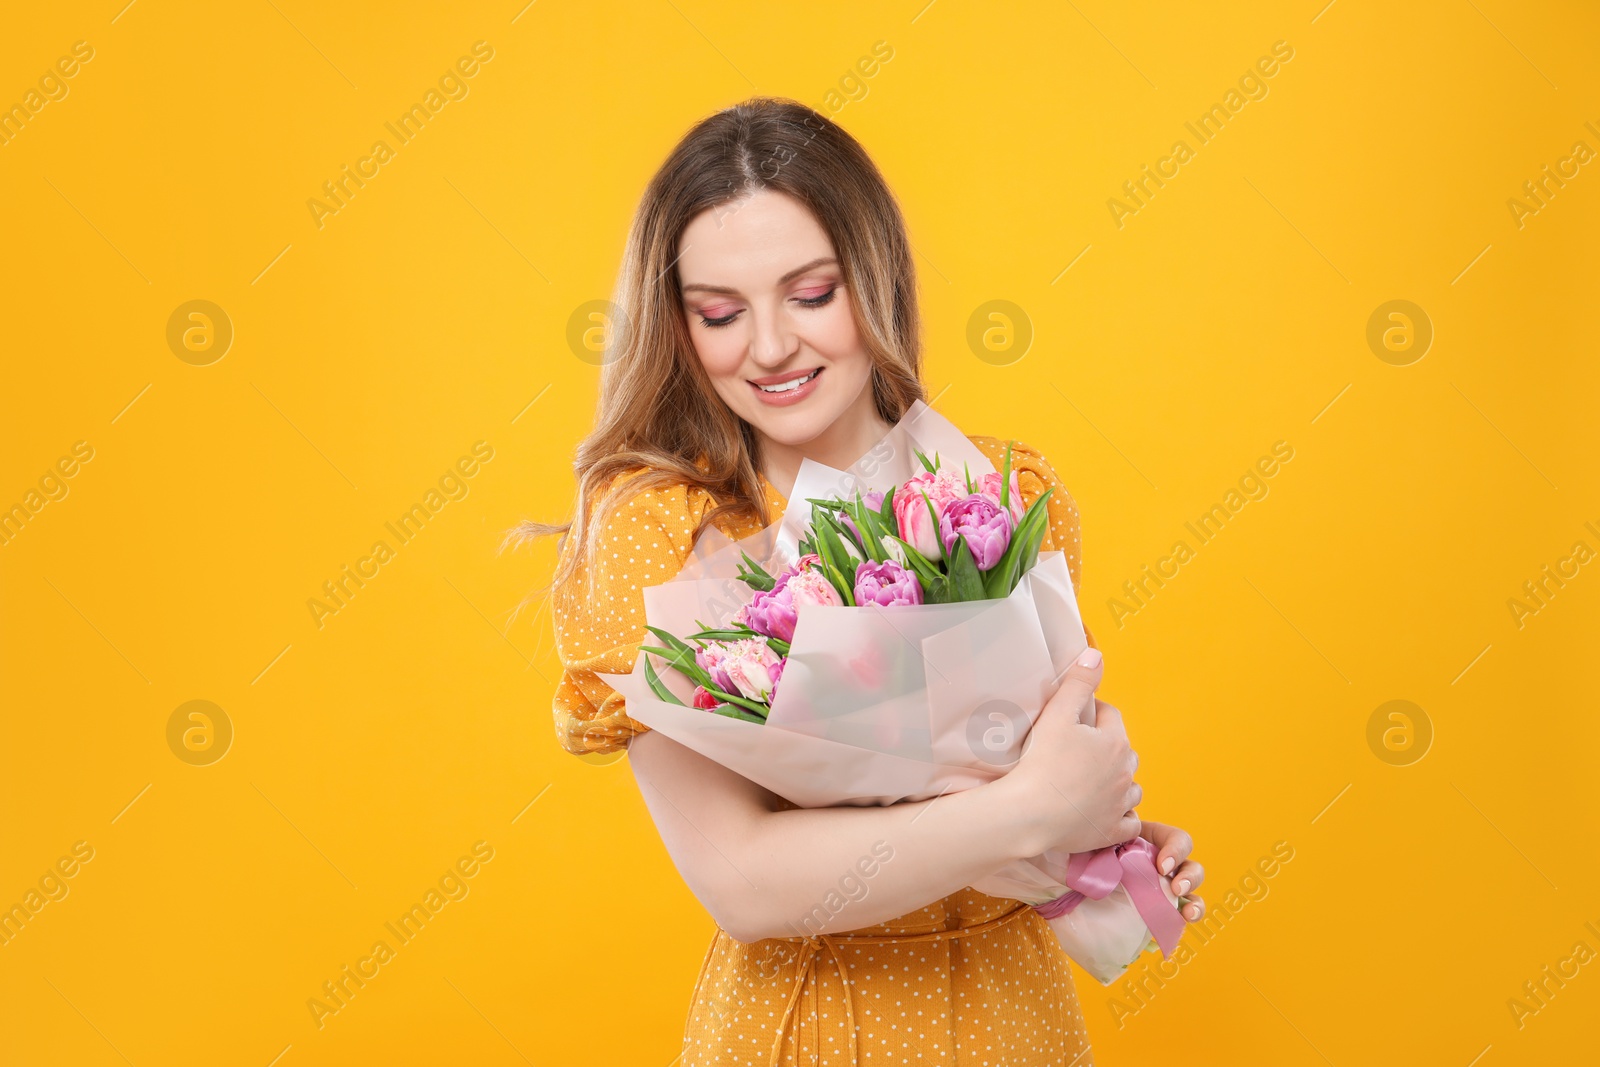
(840, 445)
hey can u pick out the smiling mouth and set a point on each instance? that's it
(791, 384)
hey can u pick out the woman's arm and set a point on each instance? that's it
(763, 871)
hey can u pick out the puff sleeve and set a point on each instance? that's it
(644, 541)
(1034, 474)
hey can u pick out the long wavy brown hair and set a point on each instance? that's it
(659, 416)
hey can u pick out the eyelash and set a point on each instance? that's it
(810, 302)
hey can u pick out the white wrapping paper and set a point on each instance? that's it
(883, 704)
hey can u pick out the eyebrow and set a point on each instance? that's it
(819, 261)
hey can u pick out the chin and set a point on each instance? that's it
(794, 430)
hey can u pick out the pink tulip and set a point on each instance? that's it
(710, 659)
(917, 528)
(989, 486)
(751, 663)
(812, 587)
(886, 583)
(771, 612)
(979, 520)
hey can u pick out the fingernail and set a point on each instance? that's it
(1089, 657)
(1191, 911)
(1181, 887)
(1167, 864)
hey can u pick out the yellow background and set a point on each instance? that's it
(369, 354)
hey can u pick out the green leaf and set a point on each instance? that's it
(967, 472)
(925, 568)
(885, 533)
(827, 533)
(723, 633)
(867, 521)
(732, 711)
(744, 634)
(856, 539)
(1036, 520)
(873, 520)
(819, 534)
(1023, 550)
(938, 532)
(672, 641)
(887, 510)
(1032, 541)
(686, 667)
(682, 662)
(966, 581)
(658, 687)
(841, 584)
(729, 698)
(997, 579)
(754, 575)
(835, 561)
(1005, 482)
(926, 462)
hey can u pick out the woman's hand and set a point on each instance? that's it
(1072, 788)
(1172, 858)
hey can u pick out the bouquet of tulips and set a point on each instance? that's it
(938, 538)
(892, 637)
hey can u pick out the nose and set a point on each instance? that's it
(774, 341)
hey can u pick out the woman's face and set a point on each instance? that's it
(766, 304)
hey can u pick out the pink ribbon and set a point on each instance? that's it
(1132, 865)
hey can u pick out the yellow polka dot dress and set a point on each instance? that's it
(968, 980)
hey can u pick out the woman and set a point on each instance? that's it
(769, 314)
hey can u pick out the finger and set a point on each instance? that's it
(1174, 847)
(1159, 835)
(1188, 877)
(1078, 684)
(1193, 908)
(1108, 718)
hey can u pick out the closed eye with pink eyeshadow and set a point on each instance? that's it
(814, 297)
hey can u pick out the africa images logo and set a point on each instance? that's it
(452, 85)
(1252, 85)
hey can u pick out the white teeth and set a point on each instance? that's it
(793, 383)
